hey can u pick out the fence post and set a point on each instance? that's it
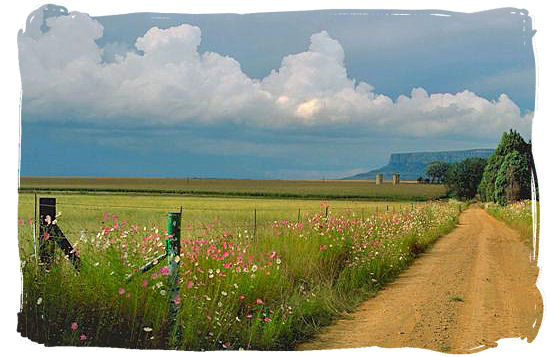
(173, 248)
(34, 243)
(326, 212)
(254, 224)
(46, 245)
(50, 234)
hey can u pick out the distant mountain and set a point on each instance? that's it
(412, 165)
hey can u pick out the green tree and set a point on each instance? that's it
(507, 176)
(463, 178)
(437, 170)
(513, 181)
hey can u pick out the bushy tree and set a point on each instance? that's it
(463, 178)
(513, 180)
(507, 176)
(437, 170)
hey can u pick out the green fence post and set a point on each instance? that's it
(173, 247)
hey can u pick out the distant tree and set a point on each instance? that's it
(507, 176)
(437, 170)
(420, 179)
(463, 178)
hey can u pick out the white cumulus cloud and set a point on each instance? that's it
(66, 76)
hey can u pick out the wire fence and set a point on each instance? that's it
(79, 218)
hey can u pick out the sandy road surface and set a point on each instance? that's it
(483, 263)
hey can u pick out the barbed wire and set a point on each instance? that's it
(267, 209)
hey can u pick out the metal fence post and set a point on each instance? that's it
(173, 247)
(254, 224)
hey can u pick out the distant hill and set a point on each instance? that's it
(412, 165)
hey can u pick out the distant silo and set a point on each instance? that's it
(379, 179)
(395, 178)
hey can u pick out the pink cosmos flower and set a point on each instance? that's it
(83, 337)
(259, 302)
(165, 271)
(74, 326)
(145, 283)
(121, 291)
(177, 300)
(190, 284)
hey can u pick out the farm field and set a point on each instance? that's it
(331, 189)
(239, 287)
(84, 211)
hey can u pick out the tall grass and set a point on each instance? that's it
(519, 216)
(267, 292)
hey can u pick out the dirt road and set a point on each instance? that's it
(475, 286)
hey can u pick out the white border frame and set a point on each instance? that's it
(14, 17)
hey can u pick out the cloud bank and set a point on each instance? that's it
(66, 76)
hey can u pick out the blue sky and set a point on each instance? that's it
(301, 95)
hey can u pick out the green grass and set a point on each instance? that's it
(332, 189)
(457, 298)
(269, 292)
(518, 216)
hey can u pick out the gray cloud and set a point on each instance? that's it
(65, 74)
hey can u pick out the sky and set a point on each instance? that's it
(302, 95)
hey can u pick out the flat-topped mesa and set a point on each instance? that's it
(412, 165)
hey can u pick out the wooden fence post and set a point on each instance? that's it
(34, 227)
(46, 244)
(50, 234)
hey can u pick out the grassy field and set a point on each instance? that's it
(358, 190)
(238, 289)
(519, 216)
(84, 211)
